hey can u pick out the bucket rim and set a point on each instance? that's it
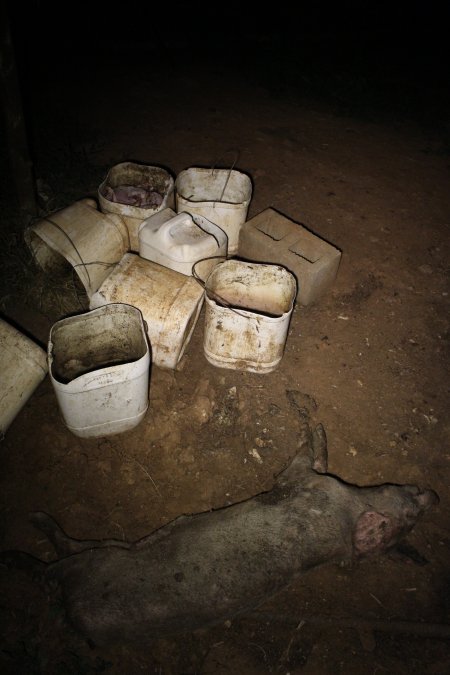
(248, 313)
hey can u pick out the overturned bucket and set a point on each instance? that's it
(79, 237)
(99, 366)
(221, 195)
(135, 192)
(23, 366)
(248, 310)
(170, 303)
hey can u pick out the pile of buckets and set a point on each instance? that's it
(148, 258)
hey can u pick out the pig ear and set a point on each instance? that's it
(313, 455)
(373, 533)
(319, 450)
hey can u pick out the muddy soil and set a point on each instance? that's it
(372, 354)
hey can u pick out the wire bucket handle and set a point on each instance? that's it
(216, 296)
(214, 168)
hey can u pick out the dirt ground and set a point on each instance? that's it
(372, 353)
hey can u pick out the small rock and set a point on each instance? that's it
(104, 466)
(254, 453)
(203, 403)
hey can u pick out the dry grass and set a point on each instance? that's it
(22, 282)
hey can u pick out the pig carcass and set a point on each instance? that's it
(205, 568)
(133, 195)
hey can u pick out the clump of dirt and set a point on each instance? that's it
(362, 291)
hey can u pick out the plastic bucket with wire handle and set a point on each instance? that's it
(220, 195)
(82, 237)
(99, 365)
(135, 192)
(170, 303)
(248, 308)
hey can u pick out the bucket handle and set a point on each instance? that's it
(82, 263)
(201, 281)
(214, 169)
(216, 296)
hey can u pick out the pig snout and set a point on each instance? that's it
(415, 501)
(426, 499)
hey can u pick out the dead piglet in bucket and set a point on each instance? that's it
(205, 568)
(132, 195)
(135, 192)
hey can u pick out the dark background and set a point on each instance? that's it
(392, 50)
(381, 62)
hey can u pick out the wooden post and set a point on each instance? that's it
(14, 123)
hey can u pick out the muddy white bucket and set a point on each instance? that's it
(182, 241)
(248, 310)
(23, 366)
(99, 366)
(170, 303)
(82, 237)
(135, 192)
(221, 195)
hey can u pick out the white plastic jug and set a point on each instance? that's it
(180, 241)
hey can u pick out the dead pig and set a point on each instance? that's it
(205, 568)
(133, 195)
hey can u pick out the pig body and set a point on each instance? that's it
(205, 568)
(133, 195)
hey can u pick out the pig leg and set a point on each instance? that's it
(65, 545)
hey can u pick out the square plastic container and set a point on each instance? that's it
(221, 195)
(23, 366)
(99, 364)
(82, 237)
(248, 310)
(170, 303)
(154, 181)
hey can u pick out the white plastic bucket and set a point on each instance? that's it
(90, 241)
(23, 366)
(99, 366)
(170, 303)
(182, 241)
(248, 310)
(152, 178)
(221, 195)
